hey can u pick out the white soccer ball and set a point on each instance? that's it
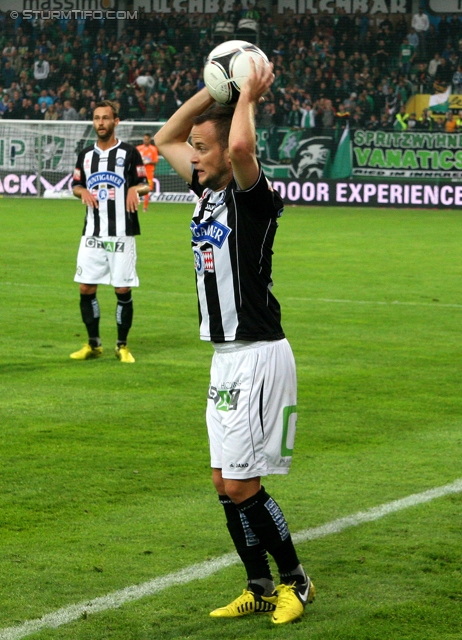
(227, 67)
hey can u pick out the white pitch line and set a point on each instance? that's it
(205, 569)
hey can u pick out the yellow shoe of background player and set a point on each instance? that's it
(291, 601)
(248, 602)
(123, 353)
(87, 352)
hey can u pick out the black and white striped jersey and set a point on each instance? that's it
(232, 238)
(108, 175)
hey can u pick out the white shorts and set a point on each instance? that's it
(108, 260)
(252, 408)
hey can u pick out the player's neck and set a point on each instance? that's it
(104, 145)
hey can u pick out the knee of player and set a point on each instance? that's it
(241, 490)
(218, 482)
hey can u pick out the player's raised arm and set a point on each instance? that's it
(172, 139)
(242, 135)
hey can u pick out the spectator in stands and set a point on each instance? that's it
(328, 115)
(459, 120)
(12, 112)
(455, 31)
(45, 97)
(457, 81)
(448, 52)
(51, 113)
(372, 124)
(401, 119)
(83, 114)
(69, 113)
(235, 14)
(8, 74)
(450, 124)
(27, 109)
(38, 115)
(421, 23)
(43, 108)
(413, 38)
(382, 56)
(41, 70)
(391, 103)
(308, 121)
(433, 65)
(442, 32)
(251, 13)
(342, 117)
(412, 121)
(296, 115)
(424, 123)
(406, 57)
(443, 76)
(385, 121)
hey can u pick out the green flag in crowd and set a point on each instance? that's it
(342, 166)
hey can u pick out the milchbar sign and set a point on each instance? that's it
(350, 6)
(316, 7)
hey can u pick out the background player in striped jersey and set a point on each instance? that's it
(251, 408)
(150, 158)
(109, 178)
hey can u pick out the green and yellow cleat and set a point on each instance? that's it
(123, 353)
(87, 352)
(291, 601)
(248, 602)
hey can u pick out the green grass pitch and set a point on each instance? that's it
(104, 469)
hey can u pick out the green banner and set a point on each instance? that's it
(407, 154)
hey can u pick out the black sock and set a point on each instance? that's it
(124, 316)
(251, 552)
(268, 523)
(89, 309)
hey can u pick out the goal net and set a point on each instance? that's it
(38, 158)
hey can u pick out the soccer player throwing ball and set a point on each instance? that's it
(251, 407)
(109, 178)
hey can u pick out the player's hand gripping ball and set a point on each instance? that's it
(227, 68)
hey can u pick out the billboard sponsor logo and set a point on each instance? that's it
(311, 157)
(407, 154)
(354, 193)
(25, 184)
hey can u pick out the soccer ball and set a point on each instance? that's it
(227, 67)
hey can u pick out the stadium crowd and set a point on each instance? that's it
(330, 69)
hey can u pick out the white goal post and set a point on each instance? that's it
(37, 158)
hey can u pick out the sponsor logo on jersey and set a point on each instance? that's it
(107, 177)
(210, 231)
(111, 246)
(203, 261)
(224, 400)
(230, 385)
(141, 171)
(77, 174)
(103, 194)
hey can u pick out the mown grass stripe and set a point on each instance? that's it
(205, 569)
(387, 303)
